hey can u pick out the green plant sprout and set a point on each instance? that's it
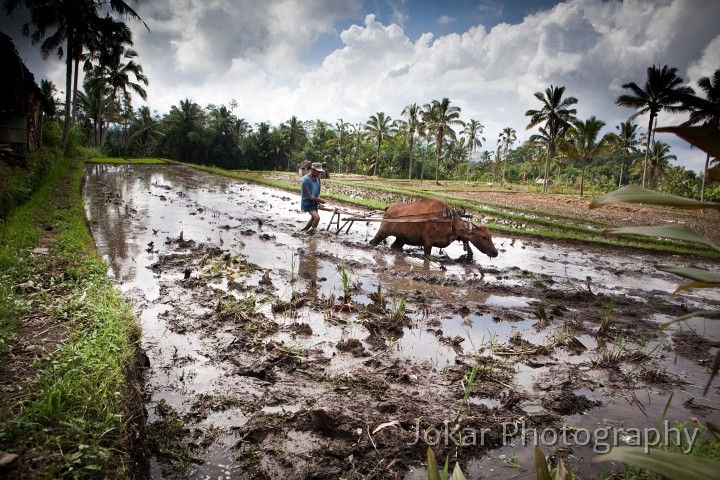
(606, 315)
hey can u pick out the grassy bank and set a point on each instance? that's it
(67, 343)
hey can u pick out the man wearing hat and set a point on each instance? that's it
(310, 195)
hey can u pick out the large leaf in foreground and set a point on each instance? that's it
(637, 194)
(673, 232)
(697, 274)
(714, 314)
(673, 466)
(701, 278)
(541, 467)
(705, 137)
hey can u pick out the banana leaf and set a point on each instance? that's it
(715, 314)
(697, 274)
(670, 465)
(673, 232)
(705, 137)
(637, 194)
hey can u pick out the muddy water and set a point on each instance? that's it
(178, 242)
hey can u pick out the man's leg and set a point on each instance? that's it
(309, 224)
(315, 219)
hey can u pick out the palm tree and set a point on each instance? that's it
(625, 141)
(711, 87)
(583, 144)
(94, 102)
(294, 134)
(341, 140)
(49, 90)
(656, 96)
(473, 132)
(182, 122)
(115, 66)
(506, 139)
(71, 23)
(379, 127)
(145, 131)
(440, 116)
(413, 113)
(659, 162)
(556, 115)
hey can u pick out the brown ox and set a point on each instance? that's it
(431, 223)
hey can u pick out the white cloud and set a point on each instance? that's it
(256, 52)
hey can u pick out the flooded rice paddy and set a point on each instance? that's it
(277, 353)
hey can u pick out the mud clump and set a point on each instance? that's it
(567, 403)
(352, 345)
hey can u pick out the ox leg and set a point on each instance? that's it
(397, 244)
(379, 237)
(427, 250)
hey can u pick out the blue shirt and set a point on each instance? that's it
(309, 188)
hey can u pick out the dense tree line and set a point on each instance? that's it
(429, 141)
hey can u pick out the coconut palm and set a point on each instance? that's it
(556, 115)
(379, 127)
(413, 113)
(439, 117)
(706, 116)
(94, 101)
(659, 162)
(625, 142)
(582, 144)
(117, 68)
(654, 97)
(183, 123)
(49, 90)
(294, 134)
(63, 26)
(341, 140)
(473, 133)
(145, 131)
(506, 139)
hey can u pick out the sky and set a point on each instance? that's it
(350, 59)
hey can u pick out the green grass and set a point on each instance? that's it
(75, 420)
(125, 160)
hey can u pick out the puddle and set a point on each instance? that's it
(252, 341)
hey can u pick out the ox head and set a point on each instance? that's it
(479, 236)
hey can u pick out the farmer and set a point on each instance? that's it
(310, 195)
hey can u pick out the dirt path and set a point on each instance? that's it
(274, 353)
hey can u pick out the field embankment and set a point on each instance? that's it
(69, 397)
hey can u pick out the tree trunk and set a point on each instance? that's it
(377, 160)
(75, 84)
(412, 141)
(547, 169)
(582, 179)
(438, 152)
(68, 92)
(647, 148)
(702, 189)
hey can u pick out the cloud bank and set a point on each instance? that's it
(282, 58)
